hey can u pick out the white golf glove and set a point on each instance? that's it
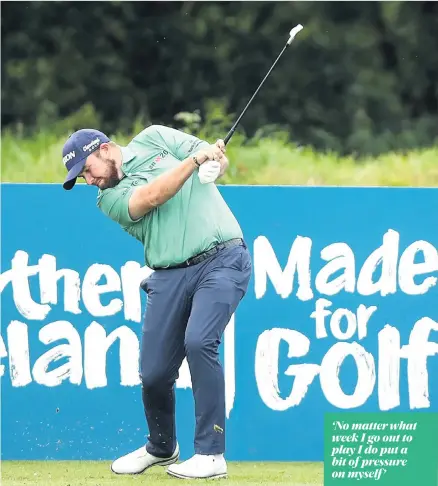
(209, 171)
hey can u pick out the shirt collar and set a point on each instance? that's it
(127, 155)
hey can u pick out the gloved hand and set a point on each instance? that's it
(209, 171)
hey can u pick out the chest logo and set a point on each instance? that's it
(159, 158)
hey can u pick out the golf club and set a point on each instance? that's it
(292, 35)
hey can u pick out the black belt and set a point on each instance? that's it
(206, 254)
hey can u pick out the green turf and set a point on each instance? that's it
(49, 473)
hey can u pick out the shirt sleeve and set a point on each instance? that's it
(115, 204)
(179, 143)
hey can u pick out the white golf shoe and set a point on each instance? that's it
(138, 461)
(200, 467)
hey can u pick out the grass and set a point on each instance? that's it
(80, 473)
(263, 162)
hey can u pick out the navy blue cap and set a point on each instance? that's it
(76, 149)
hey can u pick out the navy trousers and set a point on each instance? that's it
(186, 315)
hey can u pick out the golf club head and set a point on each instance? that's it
(294, 32)
(292, 35)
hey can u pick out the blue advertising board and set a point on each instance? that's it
(341, 314)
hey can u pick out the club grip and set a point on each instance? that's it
(229, 135)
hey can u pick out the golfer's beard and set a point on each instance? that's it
(111, 178)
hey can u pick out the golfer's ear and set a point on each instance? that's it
(105, 147)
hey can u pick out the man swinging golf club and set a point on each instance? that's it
(202, 270)
(159, 188)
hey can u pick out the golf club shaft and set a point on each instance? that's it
(233, 128)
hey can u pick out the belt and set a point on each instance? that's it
(206, 254)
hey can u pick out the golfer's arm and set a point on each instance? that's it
(148, 197)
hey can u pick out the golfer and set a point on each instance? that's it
(160, 189)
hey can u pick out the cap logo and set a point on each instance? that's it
(93, 144)
(68, 157)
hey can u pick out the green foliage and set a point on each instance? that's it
(270, 158)
(361, 78)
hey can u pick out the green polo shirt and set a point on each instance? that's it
(192, 221)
